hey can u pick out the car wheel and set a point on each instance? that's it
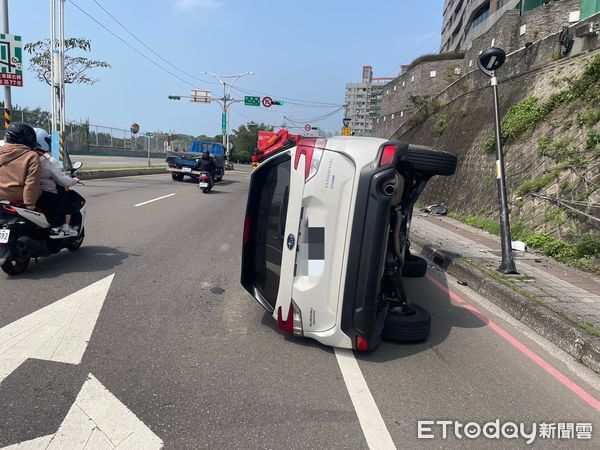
(408, 325)
(77, 243)
(17, 262)
(177, 176)
(427, 161)
(414, 267)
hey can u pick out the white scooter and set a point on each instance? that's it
(25, 234)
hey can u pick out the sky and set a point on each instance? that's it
(301, 50)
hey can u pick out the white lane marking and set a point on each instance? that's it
(371, 422)
(58, 332)
(574, 366)
(154, 200)
(97, 420)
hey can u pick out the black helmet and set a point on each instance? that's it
(21, 133)
(205, 154)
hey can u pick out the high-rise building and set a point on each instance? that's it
(363, 102)
(466, 20)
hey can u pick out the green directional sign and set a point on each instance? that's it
(149, 134)
(251, 101)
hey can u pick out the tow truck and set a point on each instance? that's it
(270, 142)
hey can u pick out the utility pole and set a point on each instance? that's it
(225, 103)
(7, 92)
(57, 68)
(489, 61)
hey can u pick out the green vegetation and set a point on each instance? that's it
(437, 57)
(582, 252)
(592, 141)
(590, 117)
(441, 125)
(527, 114)
(544, 144)
(538, 183)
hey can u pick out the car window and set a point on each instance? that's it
(269, 204)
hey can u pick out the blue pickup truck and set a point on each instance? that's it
(187, 163)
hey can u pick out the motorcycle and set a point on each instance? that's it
(25, 234)
(206, 182)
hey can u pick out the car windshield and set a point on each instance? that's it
(270, 201)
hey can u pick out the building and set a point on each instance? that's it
(363, 102)
(466, 20)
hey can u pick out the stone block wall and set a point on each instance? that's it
(399, 98)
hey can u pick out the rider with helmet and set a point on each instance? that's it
(208, 165)
(53, 201)
(19, 166)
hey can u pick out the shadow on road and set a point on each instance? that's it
(226, 182)
(445, 316)
(92, 258)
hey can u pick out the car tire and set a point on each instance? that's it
(414, 267)
(17, 262)
(426, 161)
(177, 176)
(407, 325)
(76, 245)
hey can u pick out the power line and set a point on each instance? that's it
(150, 49)
(290, 100)
(131, 46)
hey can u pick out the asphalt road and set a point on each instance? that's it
(180, 344)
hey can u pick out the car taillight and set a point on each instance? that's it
(312, 149)
(387, 156)
(361, 344)
(9, 208)
(247, 229)
(293, 323)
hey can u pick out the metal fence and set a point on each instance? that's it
(91, 136)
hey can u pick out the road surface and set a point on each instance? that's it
(170, 346)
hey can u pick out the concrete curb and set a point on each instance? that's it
(114, 173)
(566, 335)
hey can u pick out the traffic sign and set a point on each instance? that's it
(149, 134)
(346, 131)
(201, 96)
(491, 60)
(251, 101)
(11, 60)
(307, 127)
(267, 102)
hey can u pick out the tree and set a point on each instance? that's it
(246, 136)
(75, 66)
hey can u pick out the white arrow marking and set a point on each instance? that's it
(58, 332)
(97, 420)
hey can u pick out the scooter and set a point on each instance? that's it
(25, 234)
(206, 182)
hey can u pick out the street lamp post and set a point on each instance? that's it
(489, 61)
(225, 103)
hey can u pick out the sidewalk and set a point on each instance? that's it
(558, 302)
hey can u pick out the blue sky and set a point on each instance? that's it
(300, 49)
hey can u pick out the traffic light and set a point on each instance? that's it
(277, 103)
(174, 97)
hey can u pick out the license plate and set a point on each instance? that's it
(186, 169)
(203, 185)
(4, 234)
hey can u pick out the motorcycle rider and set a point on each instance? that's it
(53, 200)
(208, 165)
(19, 166)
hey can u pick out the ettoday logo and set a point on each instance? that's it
(432, 429)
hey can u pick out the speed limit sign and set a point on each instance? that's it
(307, 127)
